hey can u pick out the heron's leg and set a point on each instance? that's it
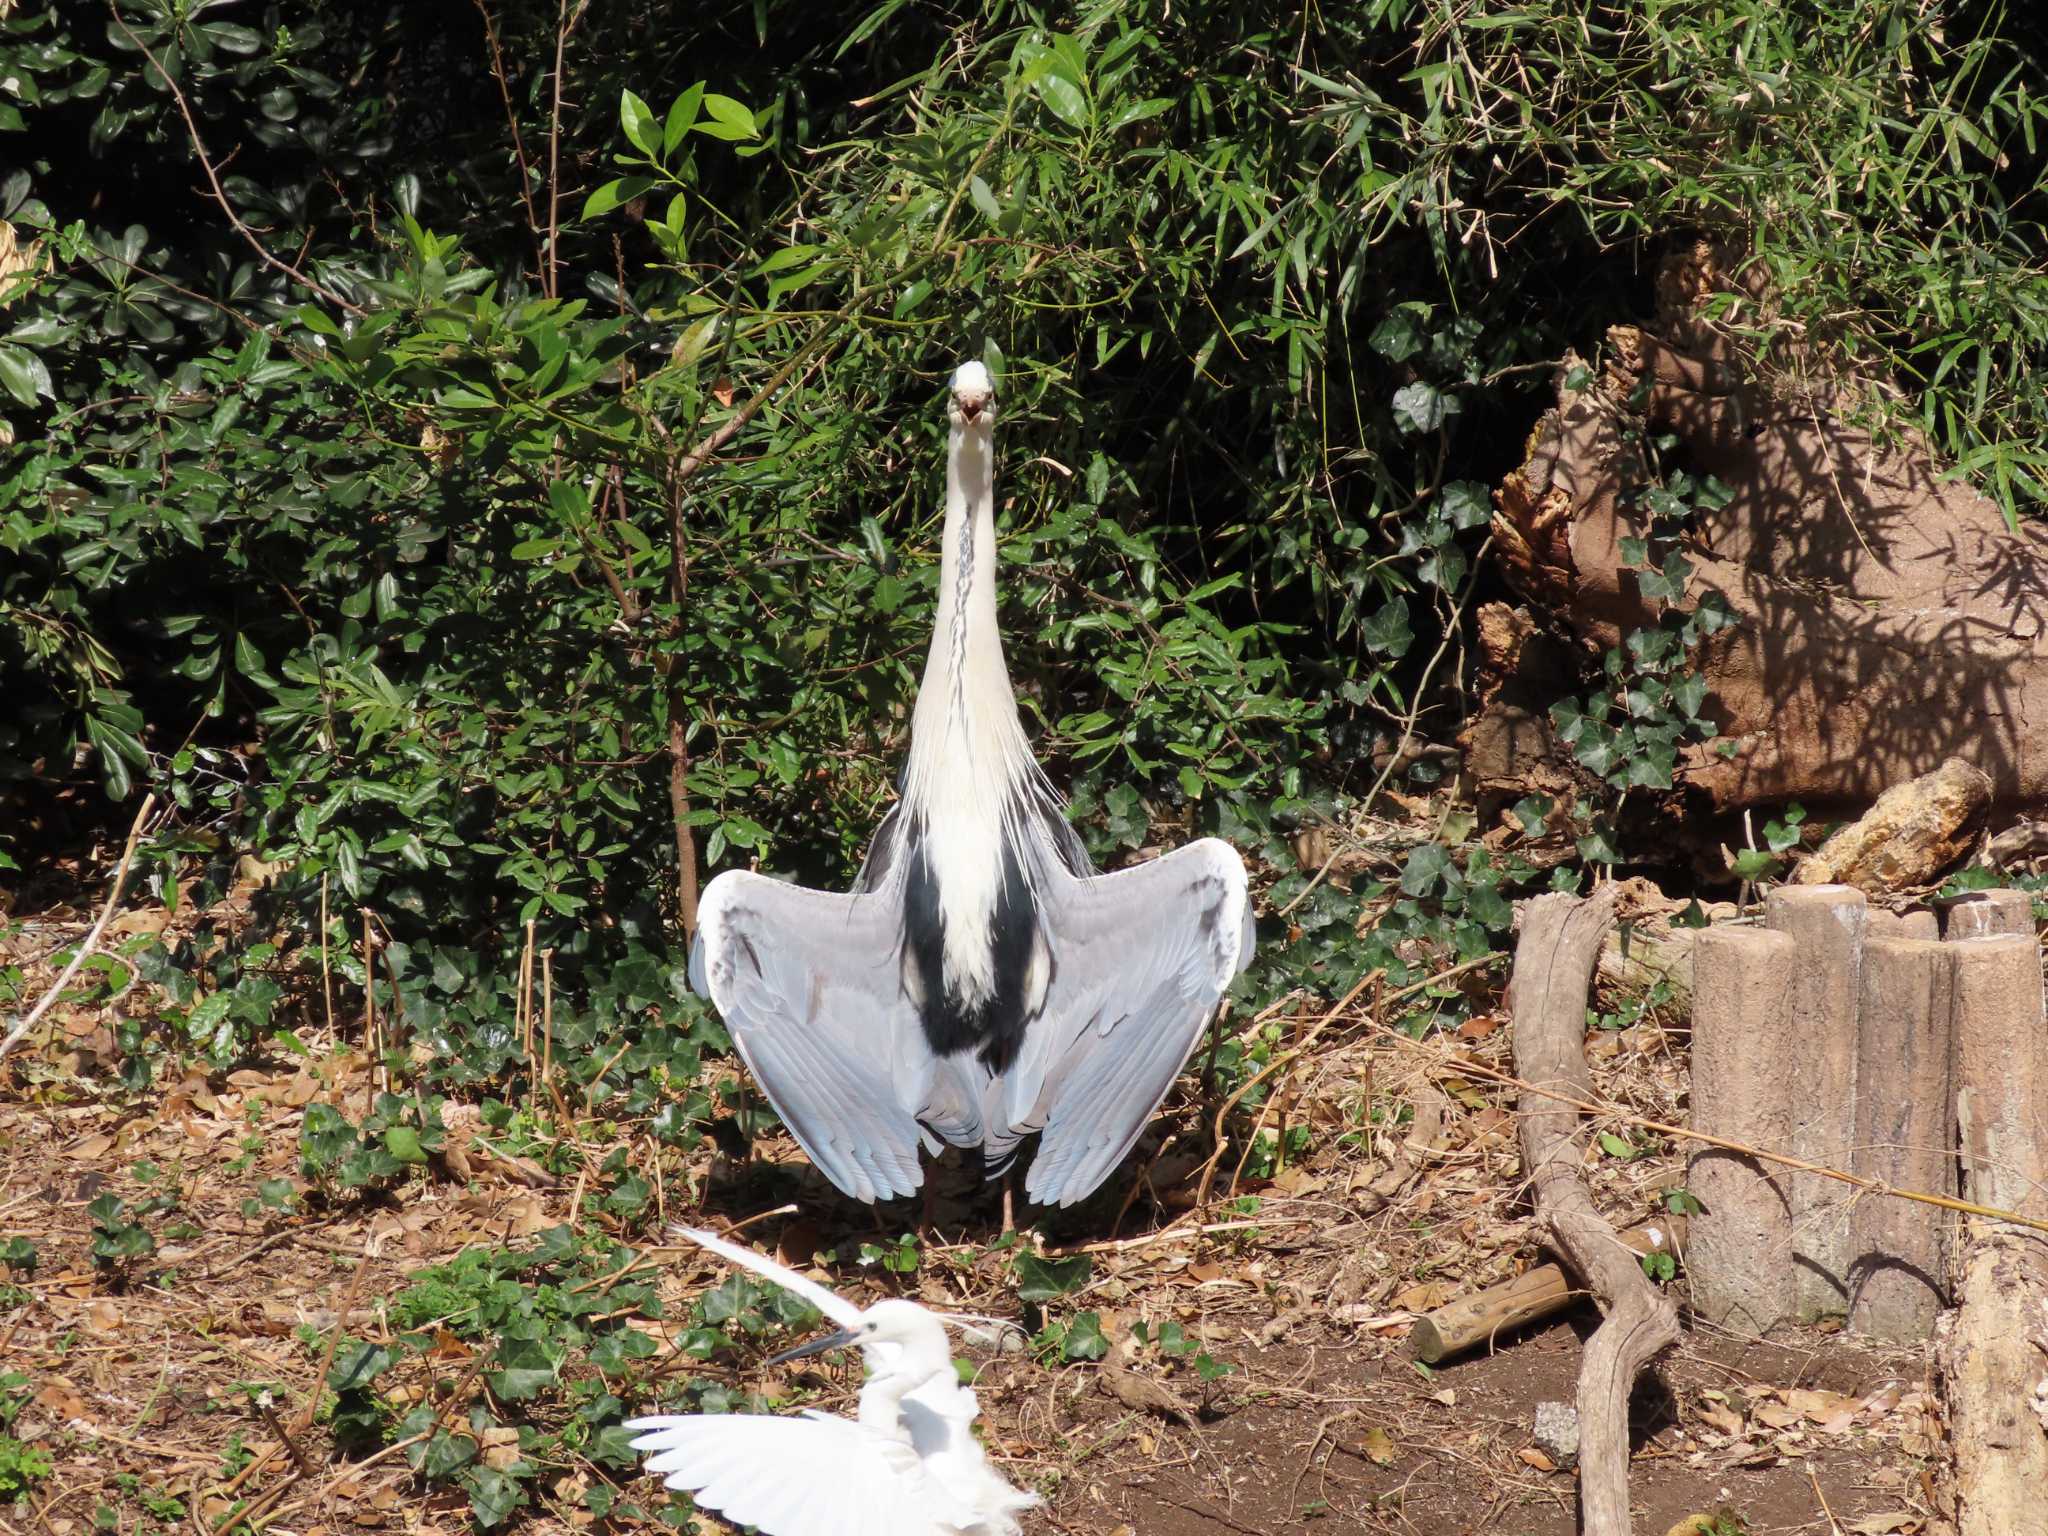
(1009, 1194)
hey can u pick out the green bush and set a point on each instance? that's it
(534, 466)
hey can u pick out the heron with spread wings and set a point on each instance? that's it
(907, 1465)
(981, 983)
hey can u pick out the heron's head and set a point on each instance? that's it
(893, 1323)
(972, 399)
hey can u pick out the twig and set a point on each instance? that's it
(370, 1042)
(564, 25)
(304, 1417)
(326, 958)
(540, 254)
(220, 196)
(277, 1428)
(92, 939)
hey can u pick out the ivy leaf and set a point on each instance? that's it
(1426, 868)
(492, 1496)
(524, 1369)
(1467, 505)
(356, 1365)
(1040, 1280)
(1422, 407)
(1084, 1339)
(1387, 630)
(1402, 334)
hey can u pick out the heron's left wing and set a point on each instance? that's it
(1140, 958)
(807, 1476)
(809, 984)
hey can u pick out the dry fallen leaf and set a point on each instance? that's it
(1377, 1447)
(1529, 1456)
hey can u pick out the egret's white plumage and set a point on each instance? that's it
(981, 983)
(908, 1466)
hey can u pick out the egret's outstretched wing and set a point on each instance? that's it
(810, 987)
(840, 1310)
(1140, 958)
(808, 1476)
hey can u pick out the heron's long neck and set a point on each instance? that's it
(966, 714)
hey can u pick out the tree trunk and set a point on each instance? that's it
(1887, 618)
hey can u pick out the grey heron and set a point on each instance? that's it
(907, 1465)
(981, 983)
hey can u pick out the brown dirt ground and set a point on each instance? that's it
(1324, 1423)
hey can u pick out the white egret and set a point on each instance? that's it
(982, 982)
(909, 1465)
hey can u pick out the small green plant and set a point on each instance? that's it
(1176, 1347)
(18, 1254)
(20, 1464)
(900, 1257)
(1079, 1337)
(117, 1235)
(1756, 866)
(397, 1135)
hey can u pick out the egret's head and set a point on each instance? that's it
(897, 1323)
(973, 401)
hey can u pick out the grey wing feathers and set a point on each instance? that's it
(1140, 959)
(809, 986)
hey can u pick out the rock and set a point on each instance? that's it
(1556, 1433)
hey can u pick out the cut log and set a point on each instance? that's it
(1554, 959)
(1545, 1290)
(1913, 834)
(1887, 619)
(1816, 1055)
(1993, 1354)
(1905, 1126)
(1740, 1264)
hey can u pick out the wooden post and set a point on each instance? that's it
(1982, 913)
(1999, 1085)
(1554, 959)
(1817, 1055)
(1740, 1266)
(1905, 1127)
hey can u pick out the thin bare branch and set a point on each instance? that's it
(263, 252)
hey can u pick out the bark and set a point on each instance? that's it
(1887, 618)
(1993, 1355)
(1554, 960)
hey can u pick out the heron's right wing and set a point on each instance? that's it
(808, 1476)
(809, 984)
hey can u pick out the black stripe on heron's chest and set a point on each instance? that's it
(992, 1026)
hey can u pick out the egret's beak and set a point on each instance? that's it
(843, 1339)
(971, 406)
